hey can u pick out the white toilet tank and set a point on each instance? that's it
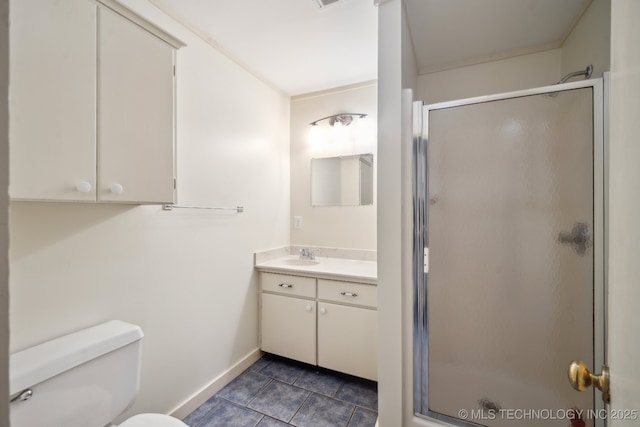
(84, 379)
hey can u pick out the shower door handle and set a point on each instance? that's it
(579, 237)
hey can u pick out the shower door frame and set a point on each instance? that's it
(420, 141)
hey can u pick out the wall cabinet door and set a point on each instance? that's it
(53, 100)
(289, 327)
(348, 339)
(135, 113)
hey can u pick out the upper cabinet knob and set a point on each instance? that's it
(83, 187)
(117, 188)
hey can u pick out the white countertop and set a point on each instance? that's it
(325, 268)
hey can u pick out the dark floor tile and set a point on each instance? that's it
(283, 370)
(194, 418)
(363, 418)
(226, 414)
(244, 388)
(270, 422)
(266, 387)
(319, 381)
(323, 411)
(359, 392)
(261, 363)
(279, 400)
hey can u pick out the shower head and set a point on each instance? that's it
(586, 73)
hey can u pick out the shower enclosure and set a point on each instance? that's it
(509, 256)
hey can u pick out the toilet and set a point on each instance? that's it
(84, 379)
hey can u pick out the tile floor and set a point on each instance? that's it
(277, 392)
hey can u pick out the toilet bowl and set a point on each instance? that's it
(84, 379)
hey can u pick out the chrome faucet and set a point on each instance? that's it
(306, 253)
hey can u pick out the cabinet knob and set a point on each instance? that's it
(323, 310)
(83, 187)
(308, 308)
(116, 188)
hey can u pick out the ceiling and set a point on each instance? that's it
(298, 47)
(451, 33)
(294, 45)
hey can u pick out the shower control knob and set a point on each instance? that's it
(579, 238)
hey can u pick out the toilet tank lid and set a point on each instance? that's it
(43, 361)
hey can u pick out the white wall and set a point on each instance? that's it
(505, 75)
(409, 62)
(624, 208)
(185, 276)
(396, 70)
(589, 41)
(332, 226)
(4, 218)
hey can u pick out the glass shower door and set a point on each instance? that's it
(513, 230)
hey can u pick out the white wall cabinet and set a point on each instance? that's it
(52, 99)
(92, 104)
(322, 322)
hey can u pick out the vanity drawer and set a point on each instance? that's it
(348, 293)
(289, 285)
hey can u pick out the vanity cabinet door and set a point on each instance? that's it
(289, 327)
(135, 113)
(53, 100)
(348, 339)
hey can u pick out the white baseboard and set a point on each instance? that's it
(216, 385)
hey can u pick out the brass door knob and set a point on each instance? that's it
(581, 379)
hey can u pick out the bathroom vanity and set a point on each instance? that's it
(322, 312)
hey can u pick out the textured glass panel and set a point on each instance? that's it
(510, 286)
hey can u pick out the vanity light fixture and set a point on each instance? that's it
(343, 119)
(337, 123)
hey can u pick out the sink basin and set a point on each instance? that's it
(300, 262)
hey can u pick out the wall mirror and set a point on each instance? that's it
(342, 181)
